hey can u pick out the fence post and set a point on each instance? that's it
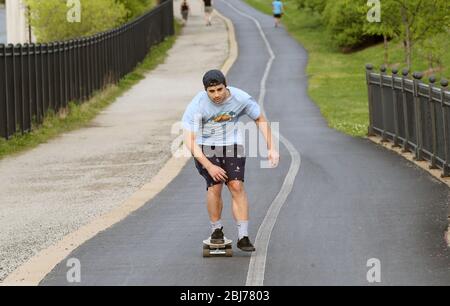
(22, 88)
(95, 42)
(394, 101)
(66, 71)
(405, 73)
(60, 53)
(45, 93)
(31, 98)
(88, 67)
(6, 117)
(445, 168)
(83, 76)
(369, 69)
(417, 77)
(432, 80)
(36, 83)
(383, 106)
(79, 71)
(49, 48)
(71, 72)
(58, 80)
(16, 88)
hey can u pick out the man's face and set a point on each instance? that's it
(217, 94)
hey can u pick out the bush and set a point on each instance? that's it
(345, 21)
(136, 7)
(316, 6)
(49, 18)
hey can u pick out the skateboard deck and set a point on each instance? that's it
(217, 249)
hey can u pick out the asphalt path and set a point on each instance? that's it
(349, 201)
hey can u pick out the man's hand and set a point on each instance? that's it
(274, 157)
(264, 126)
(217, 173)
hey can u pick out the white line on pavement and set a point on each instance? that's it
(257, 265)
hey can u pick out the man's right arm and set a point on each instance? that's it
(217, 173)
(194, 148)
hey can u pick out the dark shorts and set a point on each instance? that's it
(229, 158)
(277, 15)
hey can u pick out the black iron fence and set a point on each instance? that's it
(35, 78)
(411, 114)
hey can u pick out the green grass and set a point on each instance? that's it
(80, 115)
(336, 80)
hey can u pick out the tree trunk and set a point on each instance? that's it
(407, 39)
(408, 52)
(404, 51)
(430, 61)
(386, 50)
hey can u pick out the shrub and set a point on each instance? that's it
(49, 18)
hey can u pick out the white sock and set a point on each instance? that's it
(215, 225)
(242, 229)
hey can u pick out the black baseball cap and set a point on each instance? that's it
(213, 78)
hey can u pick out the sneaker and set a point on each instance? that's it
(245, 245)
(217, 236)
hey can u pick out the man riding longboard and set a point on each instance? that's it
(212, 137)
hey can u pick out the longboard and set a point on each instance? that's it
(217, 249)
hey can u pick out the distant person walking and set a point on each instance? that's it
(185, 11)
(278, 11)
(208, 11)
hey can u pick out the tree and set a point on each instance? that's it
(433, 49)
(316, 6)
(50, 21)
(345, 22)
(388, 27)
(136, 7)
(421, 19)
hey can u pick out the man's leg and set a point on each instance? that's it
(214, 202)
(215, 206)
(208, 17)
(240, 213)
(240, 201)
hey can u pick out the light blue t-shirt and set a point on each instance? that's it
(277, 7)
(215, 124)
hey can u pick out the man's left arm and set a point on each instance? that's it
(264, 127)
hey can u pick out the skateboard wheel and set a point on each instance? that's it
(206, 252)
(228, 252)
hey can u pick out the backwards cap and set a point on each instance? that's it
(214, 78)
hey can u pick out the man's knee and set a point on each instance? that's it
(236, 186)
(215, 190)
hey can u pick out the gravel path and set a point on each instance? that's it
(59, 186)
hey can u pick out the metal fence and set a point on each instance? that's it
(35, 78)
(411, 114)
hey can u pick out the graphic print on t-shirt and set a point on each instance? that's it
(222, 117)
